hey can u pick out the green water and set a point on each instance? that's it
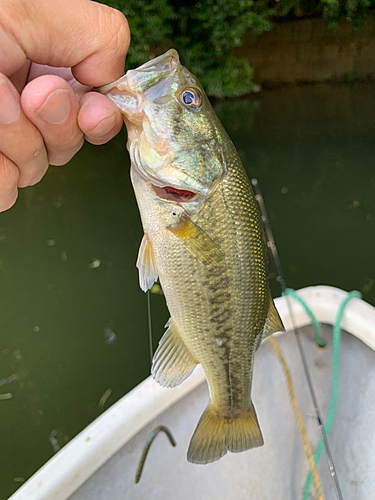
(74, 321)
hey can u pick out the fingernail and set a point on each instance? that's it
(9, 107)
(103, 127)
(56, 108)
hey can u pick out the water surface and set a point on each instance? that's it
(73, 328)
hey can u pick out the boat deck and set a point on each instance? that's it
(276, 471)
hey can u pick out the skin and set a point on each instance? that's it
(52, 53)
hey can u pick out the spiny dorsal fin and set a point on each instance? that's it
(172, 362)
(197, 241)
(146, 264)
(273, 322)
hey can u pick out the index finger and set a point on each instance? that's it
(89, 37)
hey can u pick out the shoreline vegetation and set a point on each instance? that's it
(226, 43)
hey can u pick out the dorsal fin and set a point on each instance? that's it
(273, 321)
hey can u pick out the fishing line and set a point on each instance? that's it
(150, 346)
(149, 326)
(158, 428)
(151, 350)
(280, 278)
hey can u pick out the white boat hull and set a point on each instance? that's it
(103, 458)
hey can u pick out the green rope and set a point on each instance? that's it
(335, 381)
(317, 336)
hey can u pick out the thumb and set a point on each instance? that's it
(89, 37)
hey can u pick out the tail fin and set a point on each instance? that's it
(217, 433)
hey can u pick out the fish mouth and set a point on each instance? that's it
(170, 193)
(153, 77)
(166, 62)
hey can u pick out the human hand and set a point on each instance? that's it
(52, 53)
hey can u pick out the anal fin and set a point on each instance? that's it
(172, 362)
(146, 265)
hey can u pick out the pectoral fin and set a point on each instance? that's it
(273, 322)
(146, 265)
(197, 242)
(172, 362)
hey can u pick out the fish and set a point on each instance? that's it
(204, 241)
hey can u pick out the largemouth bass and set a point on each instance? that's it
(203, 238)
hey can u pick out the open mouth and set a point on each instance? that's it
(172, 194)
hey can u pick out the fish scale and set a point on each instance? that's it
(206, 245)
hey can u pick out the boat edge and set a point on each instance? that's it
(65, 472)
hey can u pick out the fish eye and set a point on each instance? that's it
(190, 98)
